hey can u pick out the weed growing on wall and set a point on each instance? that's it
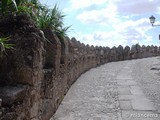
(4, 45)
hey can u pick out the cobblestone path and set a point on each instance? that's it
(125, 90)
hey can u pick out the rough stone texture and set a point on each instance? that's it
(48, 69)
(0, 107)
(12, 94)
(0, 102)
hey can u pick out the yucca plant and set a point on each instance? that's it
(58, 23)
(4, 45)
(7, 6)
(52, 19)
(47, 18)
(33, 6)
(62, 32)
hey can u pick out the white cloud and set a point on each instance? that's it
(128, 7)
(103, 16)
(81, 4)
(142, 24)
(126, 33)
(114, 21)
(100, 38)
(123, 22)
(110, 39)
(114, 12)
(135, 31)
(134, 42)
(125, 7)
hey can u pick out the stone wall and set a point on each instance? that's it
(36, 75)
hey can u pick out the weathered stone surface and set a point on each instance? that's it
(0, 102)
(0, 107)
(12, 94)
(127, 53)
(53, 51)
(120, 53)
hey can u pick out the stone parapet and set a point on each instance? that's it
(41, 72)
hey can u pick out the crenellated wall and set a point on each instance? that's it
(36, 75)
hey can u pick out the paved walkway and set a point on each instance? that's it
(113, 91)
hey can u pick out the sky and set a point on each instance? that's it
(110, 22)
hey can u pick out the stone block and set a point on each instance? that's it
(124, 91)
(12, 94)
(125, 105)
(131, 97)
(143, 104)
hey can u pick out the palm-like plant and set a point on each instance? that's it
(14, 6)
(7, 6)
(52, 19)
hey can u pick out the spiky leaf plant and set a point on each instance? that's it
(52, 19)
(4, 45)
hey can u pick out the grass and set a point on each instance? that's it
(4, 45)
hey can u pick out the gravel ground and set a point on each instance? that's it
(95, 95)
(148, 79)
